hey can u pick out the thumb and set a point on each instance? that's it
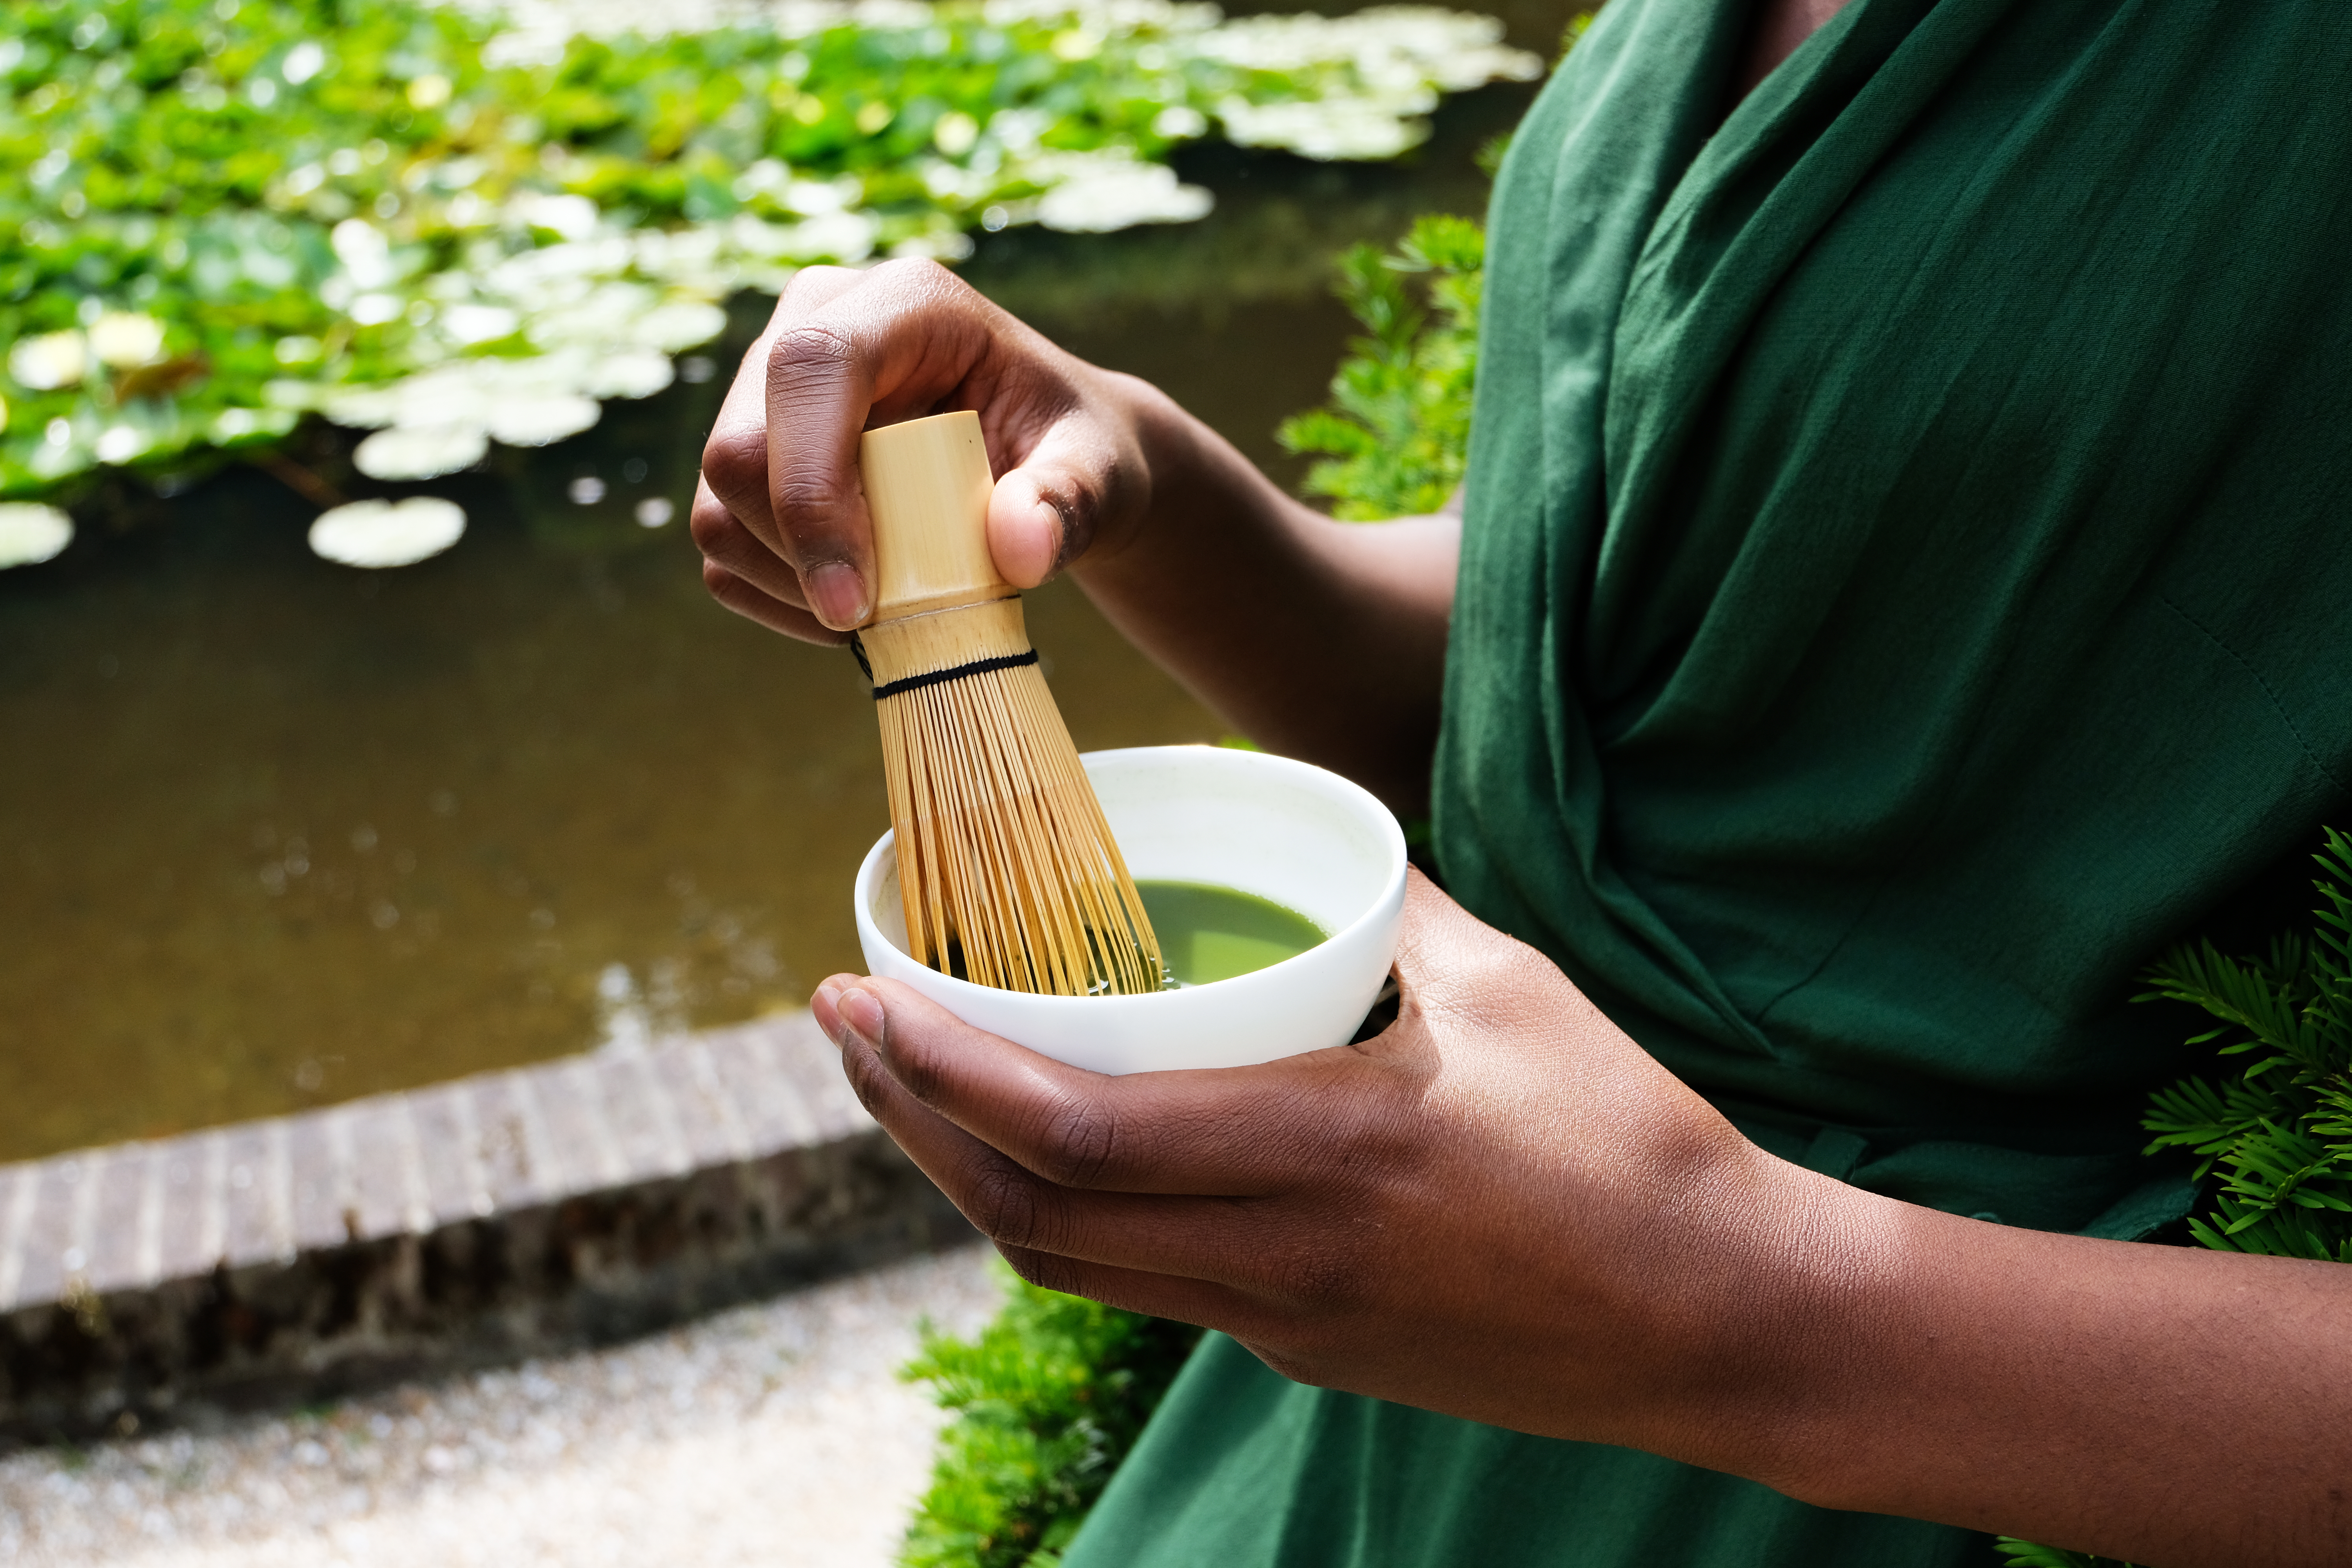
(1047, 511)
(1435, 928)
(1027, 534)
(1445, 955)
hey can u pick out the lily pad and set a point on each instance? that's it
(49, 361)
(222, 216)
(31, 532)
(542, 421)
(377, 533)
(1105, 194)
(421, 451)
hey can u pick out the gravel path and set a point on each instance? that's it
(773, 1435)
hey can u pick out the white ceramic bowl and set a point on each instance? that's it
(1284, 830)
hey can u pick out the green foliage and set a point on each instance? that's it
(2025, 1554)
(218, 215)
(1049, 1398)
(1573, 33)
(1490, 154)
(2278, 1135)
(1396, 435)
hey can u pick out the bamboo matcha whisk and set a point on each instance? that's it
(1006, 866)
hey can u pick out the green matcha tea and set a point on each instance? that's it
(1215, 933)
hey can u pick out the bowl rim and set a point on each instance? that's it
(868, 869)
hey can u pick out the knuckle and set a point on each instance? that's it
(811, 345)
(917, 272)
(1078, 1144)
(720, 584)
(735, 459)
(1003, 1203)
(711, 526)
(805, 282)
(1325, 1279)
(803, 492)
(916, 1065)
(1360, 1133)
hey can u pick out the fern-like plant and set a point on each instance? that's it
(2277, 1137)
(1396, 433)
(2025, 1554)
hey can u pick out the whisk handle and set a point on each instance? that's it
(927, 489)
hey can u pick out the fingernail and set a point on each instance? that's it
(837, 594)
(861, 1014)
(830, 995)
(1057, 529)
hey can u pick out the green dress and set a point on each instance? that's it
(1907, 581)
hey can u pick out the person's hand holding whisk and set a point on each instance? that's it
(1321, 640)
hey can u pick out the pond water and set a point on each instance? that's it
(276, 832)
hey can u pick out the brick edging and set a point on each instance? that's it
(510, 1213)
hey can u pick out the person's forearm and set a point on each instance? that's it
(1319, 639)
(2172, 1407)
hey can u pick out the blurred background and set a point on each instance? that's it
(279, 831)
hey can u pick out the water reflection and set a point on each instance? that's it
(275, 832)
(278, 834)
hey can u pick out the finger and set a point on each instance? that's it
(722, 538)
(735, 459)
(898, 346)
(1234, 1131)
(1238, 1132)
(1248, 1244)
(1027, 534)
(1227, 1132)
(1170, 1295)
(1045, 513)
(755, 604)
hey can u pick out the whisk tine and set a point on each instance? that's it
(1006, 863)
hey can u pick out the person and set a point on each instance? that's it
(1905, 583)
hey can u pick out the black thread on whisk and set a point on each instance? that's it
(953, 672)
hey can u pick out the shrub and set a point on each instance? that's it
(1396, 433)
(1047, 1398)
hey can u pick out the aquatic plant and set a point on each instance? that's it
(375, 532)
(32, 532)
(451, 227)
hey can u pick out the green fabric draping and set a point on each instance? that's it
(1907, 581)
